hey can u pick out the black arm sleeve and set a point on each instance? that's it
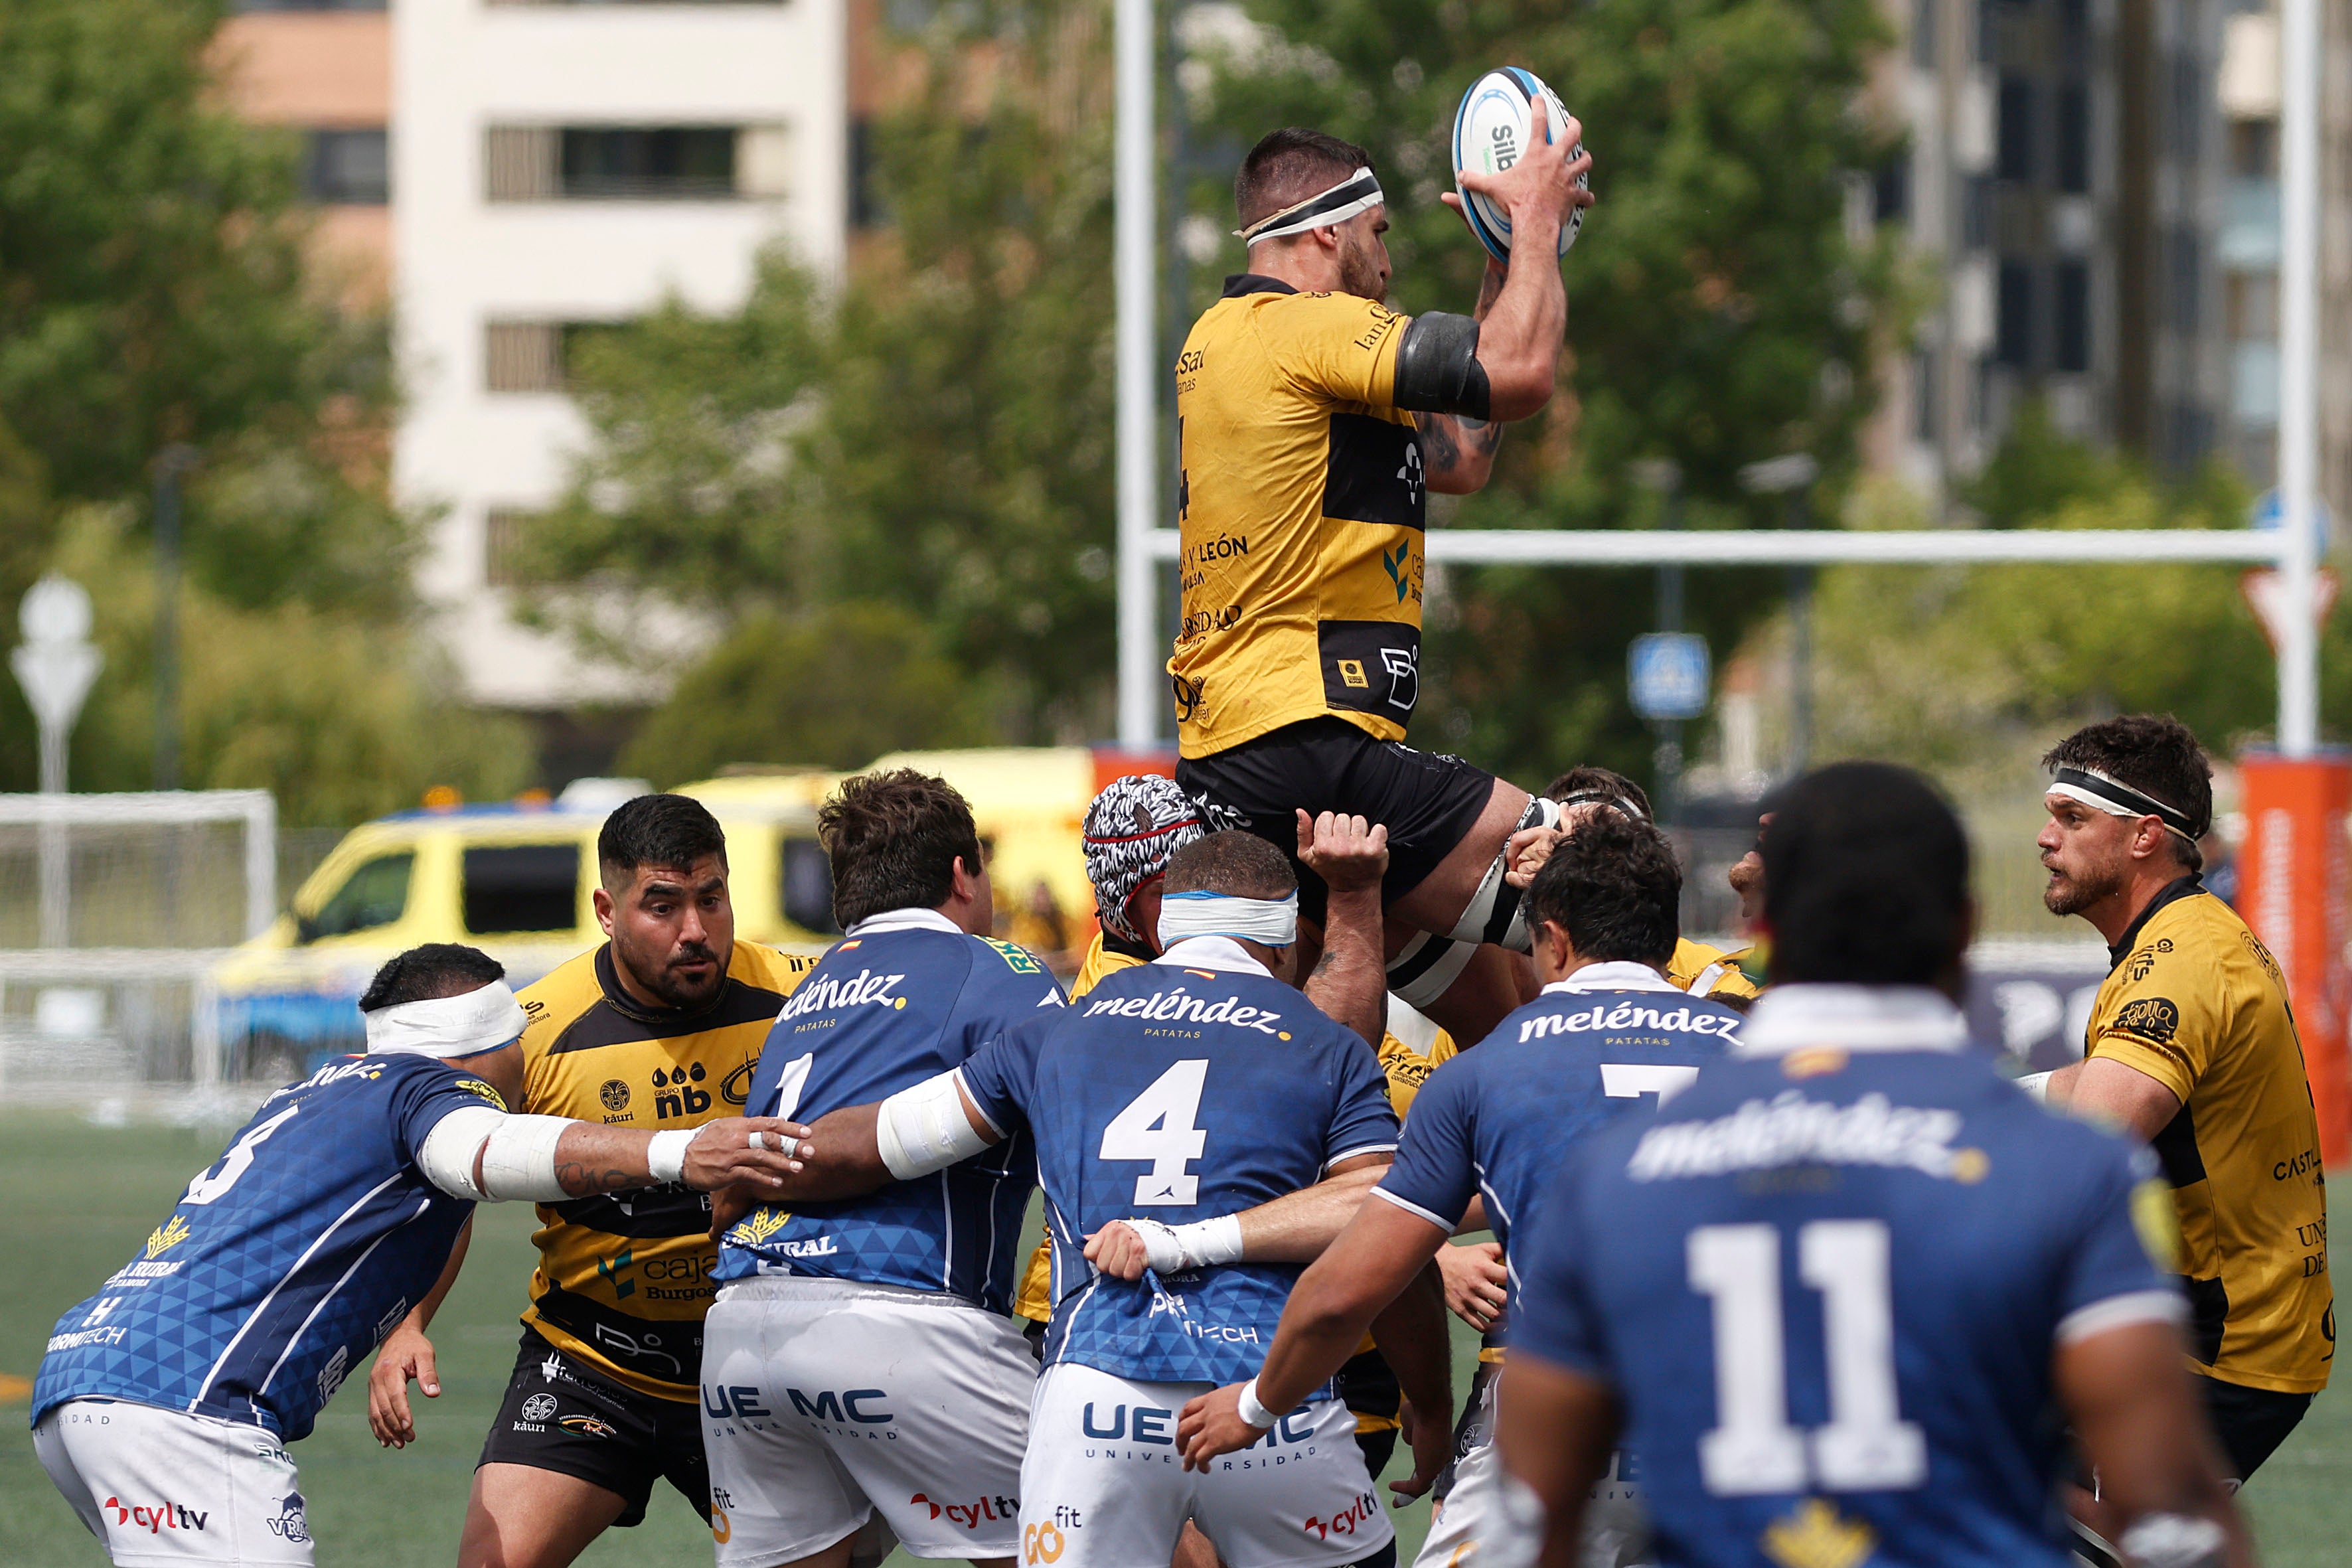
(1437, 366)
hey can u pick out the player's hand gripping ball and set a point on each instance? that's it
(1491, 130)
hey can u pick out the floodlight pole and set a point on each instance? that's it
(1132, 267)
(2298, 430)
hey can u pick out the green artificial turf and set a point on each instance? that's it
(80, 1199)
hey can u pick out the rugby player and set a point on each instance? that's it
(1833, 1293)
(1131, 830)
(2191, 1046)
(1695, 967)
(1187, 1089)
(897, 1301)
(658, 1027)
(1314, 421)
(1609, 1034)
(165, 1404)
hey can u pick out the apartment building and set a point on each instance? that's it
(2065, 170)
(509, 173)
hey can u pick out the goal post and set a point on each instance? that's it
(116, 912)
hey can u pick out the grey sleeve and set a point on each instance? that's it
(1437, 367)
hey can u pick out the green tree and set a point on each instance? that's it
(154, 290)
(934, 434)
(339, 716)
(836, 688)
(1718, 310)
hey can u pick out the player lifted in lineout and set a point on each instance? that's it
(1184, 1089)
(166, 1402)
(1609, 1036)
(1314, 422)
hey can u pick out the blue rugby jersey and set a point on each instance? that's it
(1497, 1121)
(904, 997)
(1194, 1086)
(287, 1260)
(1826, 1283)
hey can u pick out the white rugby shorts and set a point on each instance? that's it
(1104, 1486)
(829, 1406)
(1473, 1518)
(166, 1488)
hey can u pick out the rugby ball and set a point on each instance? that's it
(1490, 130)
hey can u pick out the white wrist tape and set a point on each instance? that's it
(2036, 1084)
(1251, 1411)
(666, 1155)
(446, 1156)
(519, 1159)
(923, 1129)
(2173, 1540)
(1180, 1248)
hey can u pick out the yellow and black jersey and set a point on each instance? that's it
(1302, 508)
(1712, 973)
(2196, 1002)
(624, 1278)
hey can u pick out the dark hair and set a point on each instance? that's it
(1240, 864)
(1591, 780)
(1288, 166)
(670, 831)
(1613, 886)
(894, 839)
(2158, 755)
(436, 969)
(1865, 878)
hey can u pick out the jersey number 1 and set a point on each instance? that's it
(1866, 1446)
(1157, 1125)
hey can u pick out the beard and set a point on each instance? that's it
(2079, 890)
(1358, 274)
(675, 989)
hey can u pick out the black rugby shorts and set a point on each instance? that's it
(561, 1415)
(1429, 801)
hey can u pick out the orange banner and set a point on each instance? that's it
(2292, 882)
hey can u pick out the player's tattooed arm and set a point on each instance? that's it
(1458, 452)
(1350, 981)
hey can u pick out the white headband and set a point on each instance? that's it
(2105, 791)
(1271, 921)
(1359, 192)
(463, 1025)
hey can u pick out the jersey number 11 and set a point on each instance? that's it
(1866, 1446)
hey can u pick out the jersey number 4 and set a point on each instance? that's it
(1866, 1446)
(1157, 1125)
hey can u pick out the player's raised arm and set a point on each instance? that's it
(1350, 981)
(1519, 337)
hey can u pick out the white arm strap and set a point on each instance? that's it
(924, 1128)
(2036, 1084)
(447, 1156)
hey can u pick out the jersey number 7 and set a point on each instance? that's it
(1866, 1446)
(1157, 1125)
